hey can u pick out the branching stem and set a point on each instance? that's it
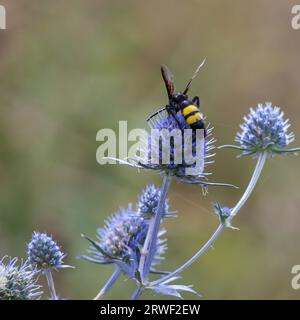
(256, 174)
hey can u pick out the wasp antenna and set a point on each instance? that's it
(194, 76)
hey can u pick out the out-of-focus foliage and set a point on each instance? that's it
(68, 69)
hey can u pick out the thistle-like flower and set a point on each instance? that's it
(179, 150)
(121, 240)
(44, 253)
(148, 202)
(173, 148)
(177, 147)
(265, 130)
(18, 282)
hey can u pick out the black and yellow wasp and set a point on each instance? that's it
(180, 102)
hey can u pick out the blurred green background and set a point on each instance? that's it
(70, 68)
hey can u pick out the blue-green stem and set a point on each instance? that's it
(136, 293)
(255, 176)
(148, 251)
(111, 281)
(49, 277)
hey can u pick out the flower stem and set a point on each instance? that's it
(136, 293)
(256, 174)
(111, 281)
(49, 277)
(257, 171)
(148, 250)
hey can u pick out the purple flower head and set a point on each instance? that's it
(148, 202)
(264, 129)
(120, 241)
(178, 146)
(44, 253)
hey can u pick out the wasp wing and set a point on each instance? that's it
(168, 79)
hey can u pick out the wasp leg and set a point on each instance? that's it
(157, 112)
(172, 111)
(196, 101)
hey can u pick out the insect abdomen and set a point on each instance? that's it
(192, 115)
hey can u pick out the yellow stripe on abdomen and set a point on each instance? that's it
(189, 109)
(194, 118)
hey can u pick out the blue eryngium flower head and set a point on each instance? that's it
(148, 202)
(164, 124)
(44, 253)
(121, 240)
(265, 130)
(18, 282)
(190, 147)
(173, 148)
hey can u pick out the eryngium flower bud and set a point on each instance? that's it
(264, 129)
(148, 201)
(44, 253)
(222, 212)
(17, 282)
